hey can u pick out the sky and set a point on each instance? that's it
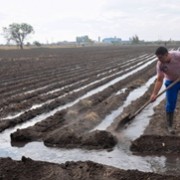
(64, 20)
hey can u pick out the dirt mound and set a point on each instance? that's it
(93, 140)
(156, 144)
(156, 138)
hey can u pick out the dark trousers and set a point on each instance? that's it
(171, 96)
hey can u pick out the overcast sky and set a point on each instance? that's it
(59, 20)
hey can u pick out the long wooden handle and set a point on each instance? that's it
(149, 101)
(170, 86)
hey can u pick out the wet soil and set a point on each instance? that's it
(72, 126)
(156, 138)
(27, 169)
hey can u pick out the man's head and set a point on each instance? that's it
(162, 54)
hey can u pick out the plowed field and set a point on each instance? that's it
(76, 98)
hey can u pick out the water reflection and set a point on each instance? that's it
(118, 157)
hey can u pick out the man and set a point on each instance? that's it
(168, 67)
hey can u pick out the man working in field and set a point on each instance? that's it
(168, 67)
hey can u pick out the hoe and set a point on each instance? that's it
(128, 117)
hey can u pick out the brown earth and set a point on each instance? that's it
(156, 139)
(27, 169)
(71, 127)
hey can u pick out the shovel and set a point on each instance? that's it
(128, 117)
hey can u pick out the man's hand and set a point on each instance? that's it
(153, 97)
(157, 87)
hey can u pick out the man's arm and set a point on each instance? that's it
(157, 87)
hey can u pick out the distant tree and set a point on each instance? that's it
(135, 39)
(83, 39)
(36, 43)
(28, 44)
(17, 33)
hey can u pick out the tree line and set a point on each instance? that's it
(18, 33)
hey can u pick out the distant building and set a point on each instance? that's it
(99, 39)
(112, 40)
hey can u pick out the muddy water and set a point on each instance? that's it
(120, 157)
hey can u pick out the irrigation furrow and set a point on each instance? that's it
(39, 92)
(55, 106)
(36, 100)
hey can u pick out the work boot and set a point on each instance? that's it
(169, 118)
